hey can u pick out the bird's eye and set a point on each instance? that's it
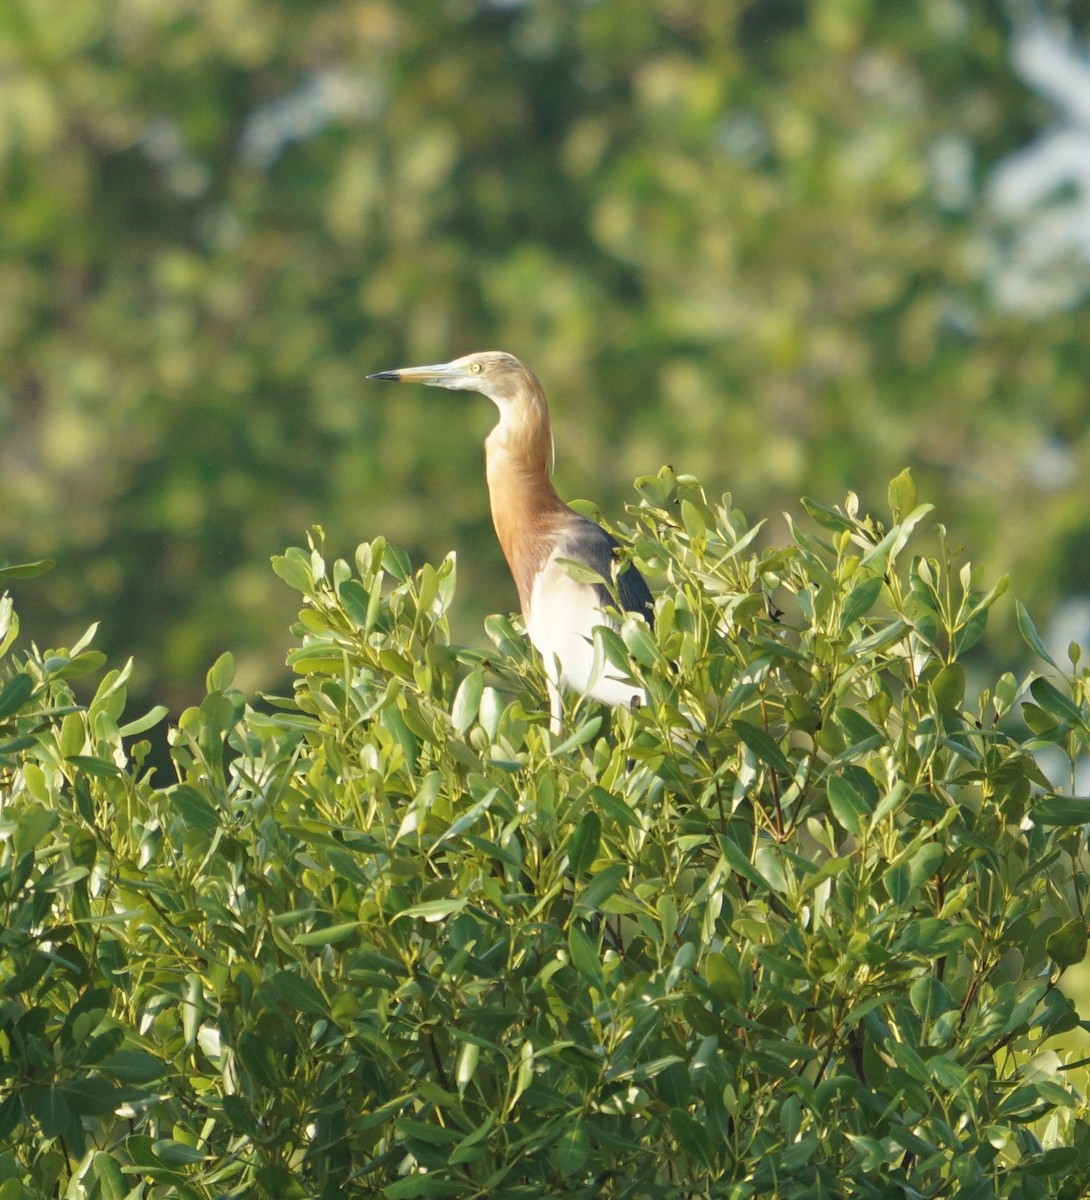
(475, 368)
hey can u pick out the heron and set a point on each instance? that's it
(537, 531)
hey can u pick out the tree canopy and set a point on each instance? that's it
(793, 929)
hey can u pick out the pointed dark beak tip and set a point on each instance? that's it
(394, 375)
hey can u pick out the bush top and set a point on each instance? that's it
(793, 928)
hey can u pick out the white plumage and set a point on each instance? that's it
(563, 613)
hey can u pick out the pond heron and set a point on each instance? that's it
(537, 530)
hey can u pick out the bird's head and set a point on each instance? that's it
(507, 382)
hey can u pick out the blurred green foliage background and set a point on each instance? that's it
(789, 246)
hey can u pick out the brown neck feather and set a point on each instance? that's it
(526, 510)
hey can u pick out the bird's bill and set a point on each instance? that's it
(448, 375)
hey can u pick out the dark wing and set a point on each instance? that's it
(590, 544)
(635, 595)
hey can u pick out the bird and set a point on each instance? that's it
(536, 530)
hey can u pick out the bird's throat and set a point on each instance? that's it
(526, 510)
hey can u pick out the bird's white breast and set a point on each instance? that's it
(561, 622)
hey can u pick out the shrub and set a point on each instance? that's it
(793, 928)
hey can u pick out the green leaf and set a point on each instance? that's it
(32, 827)
(16, 692)
(91, 1096)
(11, 1115)
(468, 819)
(221, 673)
(1039, 721)
(14, 745)
(970, 632)
(425, 1131)
(194, 809)
(80, 665)
(583, 843)
(929, 998)
(932, 937)
(570, 1153)
(769, 863)
(948, 687)
(1067, 946)
(897, 538)
(764, 746)
(176, 1154)
(692, 1137)
(467, 701)
(901, 493)
(91, 764)
(434, 910)
(410, 1187)
(893, 801)
(111, 1182)
(469, 1148)
(580, 737)
(299, 992)
(1005, 693)
(329, 935)
(54, 1114)
(925, 862)
(133, 1066)
(467, 1065)
(739, 862)
(745, 540)
(142, 724)
(9, 624)
(898, 883)
(240, 1117)
(883, 636)
(723, 978)
(693, 520)
(428, 587)
(860, 600)
(615, 809)
(355, 601)
(825, 516)
(600, 887)
(999, 588)
(848, 805)
(297, 575)
(1029, 633)
(1062, 811)
(580, 572)
(639, 641)
(584, 957)
(26, 570)
(1053, 701)
(396, 562)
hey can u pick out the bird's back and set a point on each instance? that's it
(589, 544)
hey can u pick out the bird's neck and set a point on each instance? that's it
(526, 510)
